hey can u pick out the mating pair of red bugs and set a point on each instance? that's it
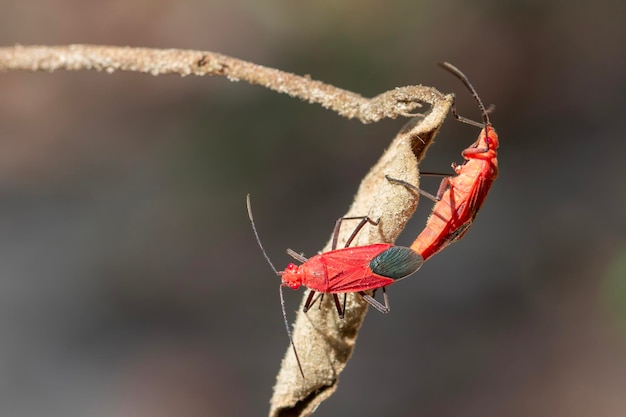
(363, 268)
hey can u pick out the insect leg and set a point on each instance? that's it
(472, 152)
(309, 301)
(411, 187)
(362, 223)
(383, 308)
(338, 305)
(461, 118)
(445, 183)
(321, 298)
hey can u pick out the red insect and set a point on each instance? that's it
(348, 270)
(351, 269)
(460, 197)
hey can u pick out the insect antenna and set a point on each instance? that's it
(258, 240)
(293, 345)
(282, 299)
(457, 73)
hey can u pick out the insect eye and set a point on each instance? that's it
(294, 285)
(292, 267)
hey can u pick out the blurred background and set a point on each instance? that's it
(130, 281)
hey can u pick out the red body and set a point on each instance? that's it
(454, 213)
(338, 271)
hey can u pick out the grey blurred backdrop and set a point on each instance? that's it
(130, 282)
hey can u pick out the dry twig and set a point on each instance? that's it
(400, 101)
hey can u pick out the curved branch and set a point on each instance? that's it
(324, 341)
(400, 101)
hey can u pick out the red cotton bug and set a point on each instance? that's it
(351, 269)
(348, 270)
(460, 197)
